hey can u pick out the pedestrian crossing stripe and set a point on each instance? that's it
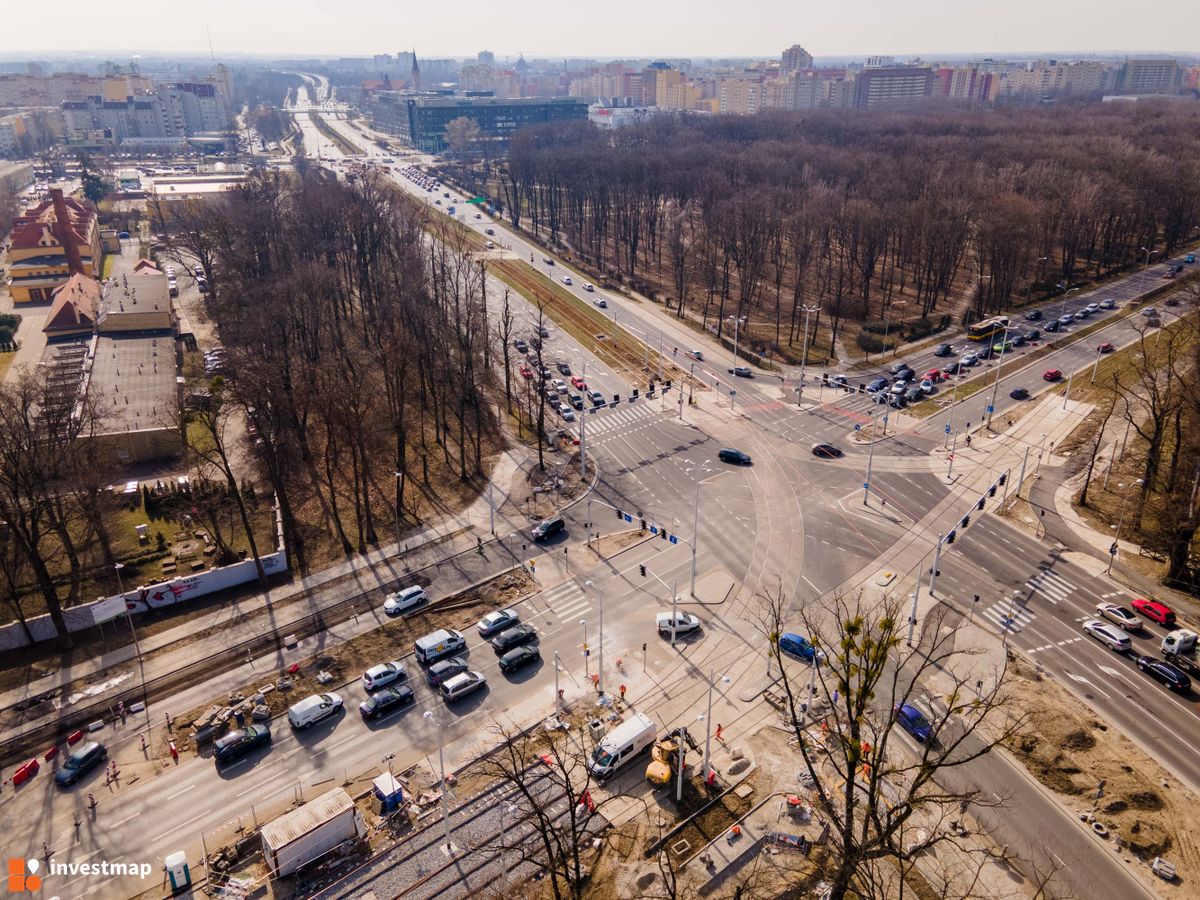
(1051, 586)
(1010, 616)
(606, 421)
(564, 600)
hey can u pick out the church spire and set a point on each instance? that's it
(415, 78)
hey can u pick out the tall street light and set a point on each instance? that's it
(1145, 266)
(1067, 294)
(736, 322)
(445, 787)
(807, 310)
(703, 467)
(136, 646)
(996, 384)
(1112, 551)
(707, 717)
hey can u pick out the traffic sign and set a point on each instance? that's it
(628, 517)
(991, 409)
(732, 393)
(654, 529)
(858, 426)
(947, 429)
(865, 485)
(674, 539)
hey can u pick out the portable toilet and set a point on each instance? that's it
(177, 870)
(389, 792)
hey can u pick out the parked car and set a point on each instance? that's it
(934, 375)
(383, 675)
(445, 669)
(514, 636)
(497, 621)
(519, 657)
(913, 393)
(899, 367)
(462, 684)
(1033, 335)
(82, 760)
(568, 414)
(730, 455)
(404, 599)
(1120, 616)
(1116, 639)
(914, 722)
(385, 701)
(1019, 394)
(563, 367)
(236, 744)
(799, 647)
(526, 372)
(313, 709)
(1163, 671)
(951, 369)
(1154, 610)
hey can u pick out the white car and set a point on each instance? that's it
(1120, 615)
(566, 279)
(495, 622)
(588, 286)
(405, 599)
(1116, 638)
(383, 674)
(559, 385)
(927, 386)
(461, 685)
(568, 414)
(601, 303)
(683, 622)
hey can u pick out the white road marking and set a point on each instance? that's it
(181, 825)
(251, 790)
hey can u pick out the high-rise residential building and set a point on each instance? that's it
(890, 86)
(176, 110)
(486, 58)
(796, 57)
(880, 62)
(1150, 76)
(741, 96)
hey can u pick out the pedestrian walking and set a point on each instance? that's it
(622, 692)
(719, 734)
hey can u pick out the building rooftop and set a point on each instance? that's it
(132, 379)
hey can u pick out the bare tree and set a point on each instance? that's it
(869, 787)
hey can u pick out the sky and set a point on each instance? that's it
(613, 28)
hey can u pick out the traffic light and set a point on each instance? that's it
(966, 520)
(643, 524)
(620, 515)
(642, 569)
(992, 491)
(950, 536)
(979, 505)
(616, 399)
(1003, 478)
(633, 396)
(662, 533)
(667, 386)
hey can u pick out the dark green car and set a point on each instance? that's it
(237, 744)
(519, 657)
(737, 457)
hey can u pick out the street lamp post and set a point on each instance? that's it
(588, 587)
(736, 322)
(137, 649)
(1067, 392)
(586, 650)
(1067, 294)
(996, 384)
(1041, 450)
(1112, 553)
(950, 411)
(950, 457)
(398, 511)
(870, 459)
(557, 695)
(1096, 364)
(1145, 266)
(807, 310)
(445, 787)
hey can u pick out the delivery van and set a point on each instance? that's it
(632, 737)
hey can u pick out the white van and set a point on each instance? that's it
(443, 642)
(622, 744)
(313, 709)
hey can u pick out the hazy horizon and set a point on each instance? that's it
(699, 29)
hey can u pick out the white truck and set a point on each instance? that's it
(305, 834)
(1179, 649)
(676, 623)
(623, 743)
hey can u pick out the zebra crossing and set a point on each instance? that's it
(1010, 616)
(563, 601)
(608, 419)
(1053, 587)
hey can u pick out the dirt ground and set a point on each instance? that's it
(1146, 812)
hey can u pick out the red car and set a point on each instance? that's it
(934, 375)
(526, 372)
(1106, 347)
(1053, 375)
(578, 383)
(1154, 610)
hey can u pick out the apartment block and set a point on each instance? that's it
(52, 241)
(1150, 76)
(891, 86)
(795, 57)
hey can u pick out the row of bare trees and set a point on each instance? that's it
(358, 349)
(859, 211)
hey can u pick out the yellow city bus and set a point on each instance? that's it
(982, 331)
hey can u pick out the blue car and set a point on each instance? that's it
(799, 647)
(914, 722)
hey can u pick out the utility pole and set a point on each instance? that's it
(953, 446)
(583, 414)
(870, 459)
(804, 353)
(996, 384)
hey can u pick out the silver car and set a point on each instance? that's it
(1116, 639)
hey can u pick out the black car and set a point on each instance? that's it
(385, 701)
(238, 743)
(1171, 301)
(445, 669)
(1033, 335)
(944, 350)
(1034, 315)
(896, 401)
(547, 528)
(514, 637)
(985, 352)
(521, 346)
(80, 762)
(519, 657)
(1019, 394)
(900, 367)
(564, 368)
(877, 384)
(1018, 340)
(741, 372)
(1053, 326)
(1163, 671)
(737, 457)
(826, 450)
(904, 374)
(914, 393)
